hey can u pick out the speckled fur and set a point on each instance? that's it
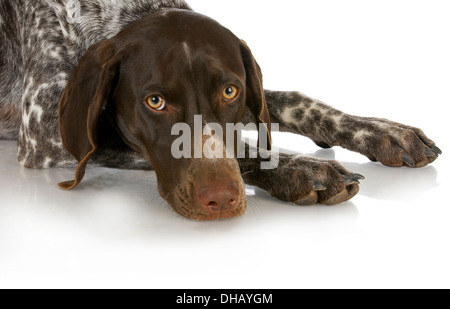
(391, 143)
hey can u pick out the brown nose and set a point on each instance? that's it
(218, 196)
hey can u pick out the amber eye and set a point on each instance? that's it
(230, 93)
(156, 102)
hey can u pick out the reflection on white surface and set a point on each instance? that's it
(114, 230)
(386, 183)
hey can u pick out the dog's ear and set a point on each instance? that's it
(82, 103)
(256, 100)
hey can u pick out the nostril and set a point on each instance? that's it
(211, 204)
(215, 207)
(218, 197)
(231, 203)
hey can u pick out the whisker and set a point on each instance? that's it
(247, 173)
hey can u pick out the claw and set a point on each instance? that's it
(437, 150)
(359, 176)
(408, 160)
(353, 179)
(429, 152)
(350, 180)
(318, 186)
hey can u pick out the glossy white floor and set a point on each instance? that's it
(386, 59)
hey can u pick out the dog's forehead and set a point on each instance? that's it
(187, 32)
(198, 28)
(210, 59)
(176, 44)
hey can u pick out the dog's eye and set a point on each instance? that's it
(156, 102)
(230, 93)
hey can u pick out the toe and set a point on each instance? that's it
(408, 160)
(335, 199)
(432, 154)
(437, 150)
(352, 191)
(310, 199)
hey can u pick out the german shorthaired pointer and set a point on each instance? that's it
(104, 81)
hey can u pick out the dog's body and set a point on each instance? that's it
(91, 53)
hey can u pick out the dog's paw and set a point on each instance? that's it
(394, 144)
(308, 181)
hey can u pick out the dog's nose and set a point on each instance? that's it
(217, 196)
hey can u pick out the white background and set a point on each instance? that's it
(371, 58)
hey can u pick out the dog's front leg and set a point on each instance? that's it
(298, 179)
(391, 143)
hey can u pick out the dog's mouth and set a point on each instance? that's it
(206, 189)
(185, 203)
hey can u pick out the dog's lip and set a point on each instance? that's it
(187, 213)
(181, 199)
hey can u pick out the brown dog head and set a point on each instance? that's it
(165, 69)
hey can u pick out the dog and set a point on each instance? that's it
(106, 81)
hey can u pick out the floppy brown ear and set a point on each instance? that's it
(82, 102)
(256, 99)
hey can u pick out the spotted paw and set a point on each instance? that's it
(395, 144)
(307, 181)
